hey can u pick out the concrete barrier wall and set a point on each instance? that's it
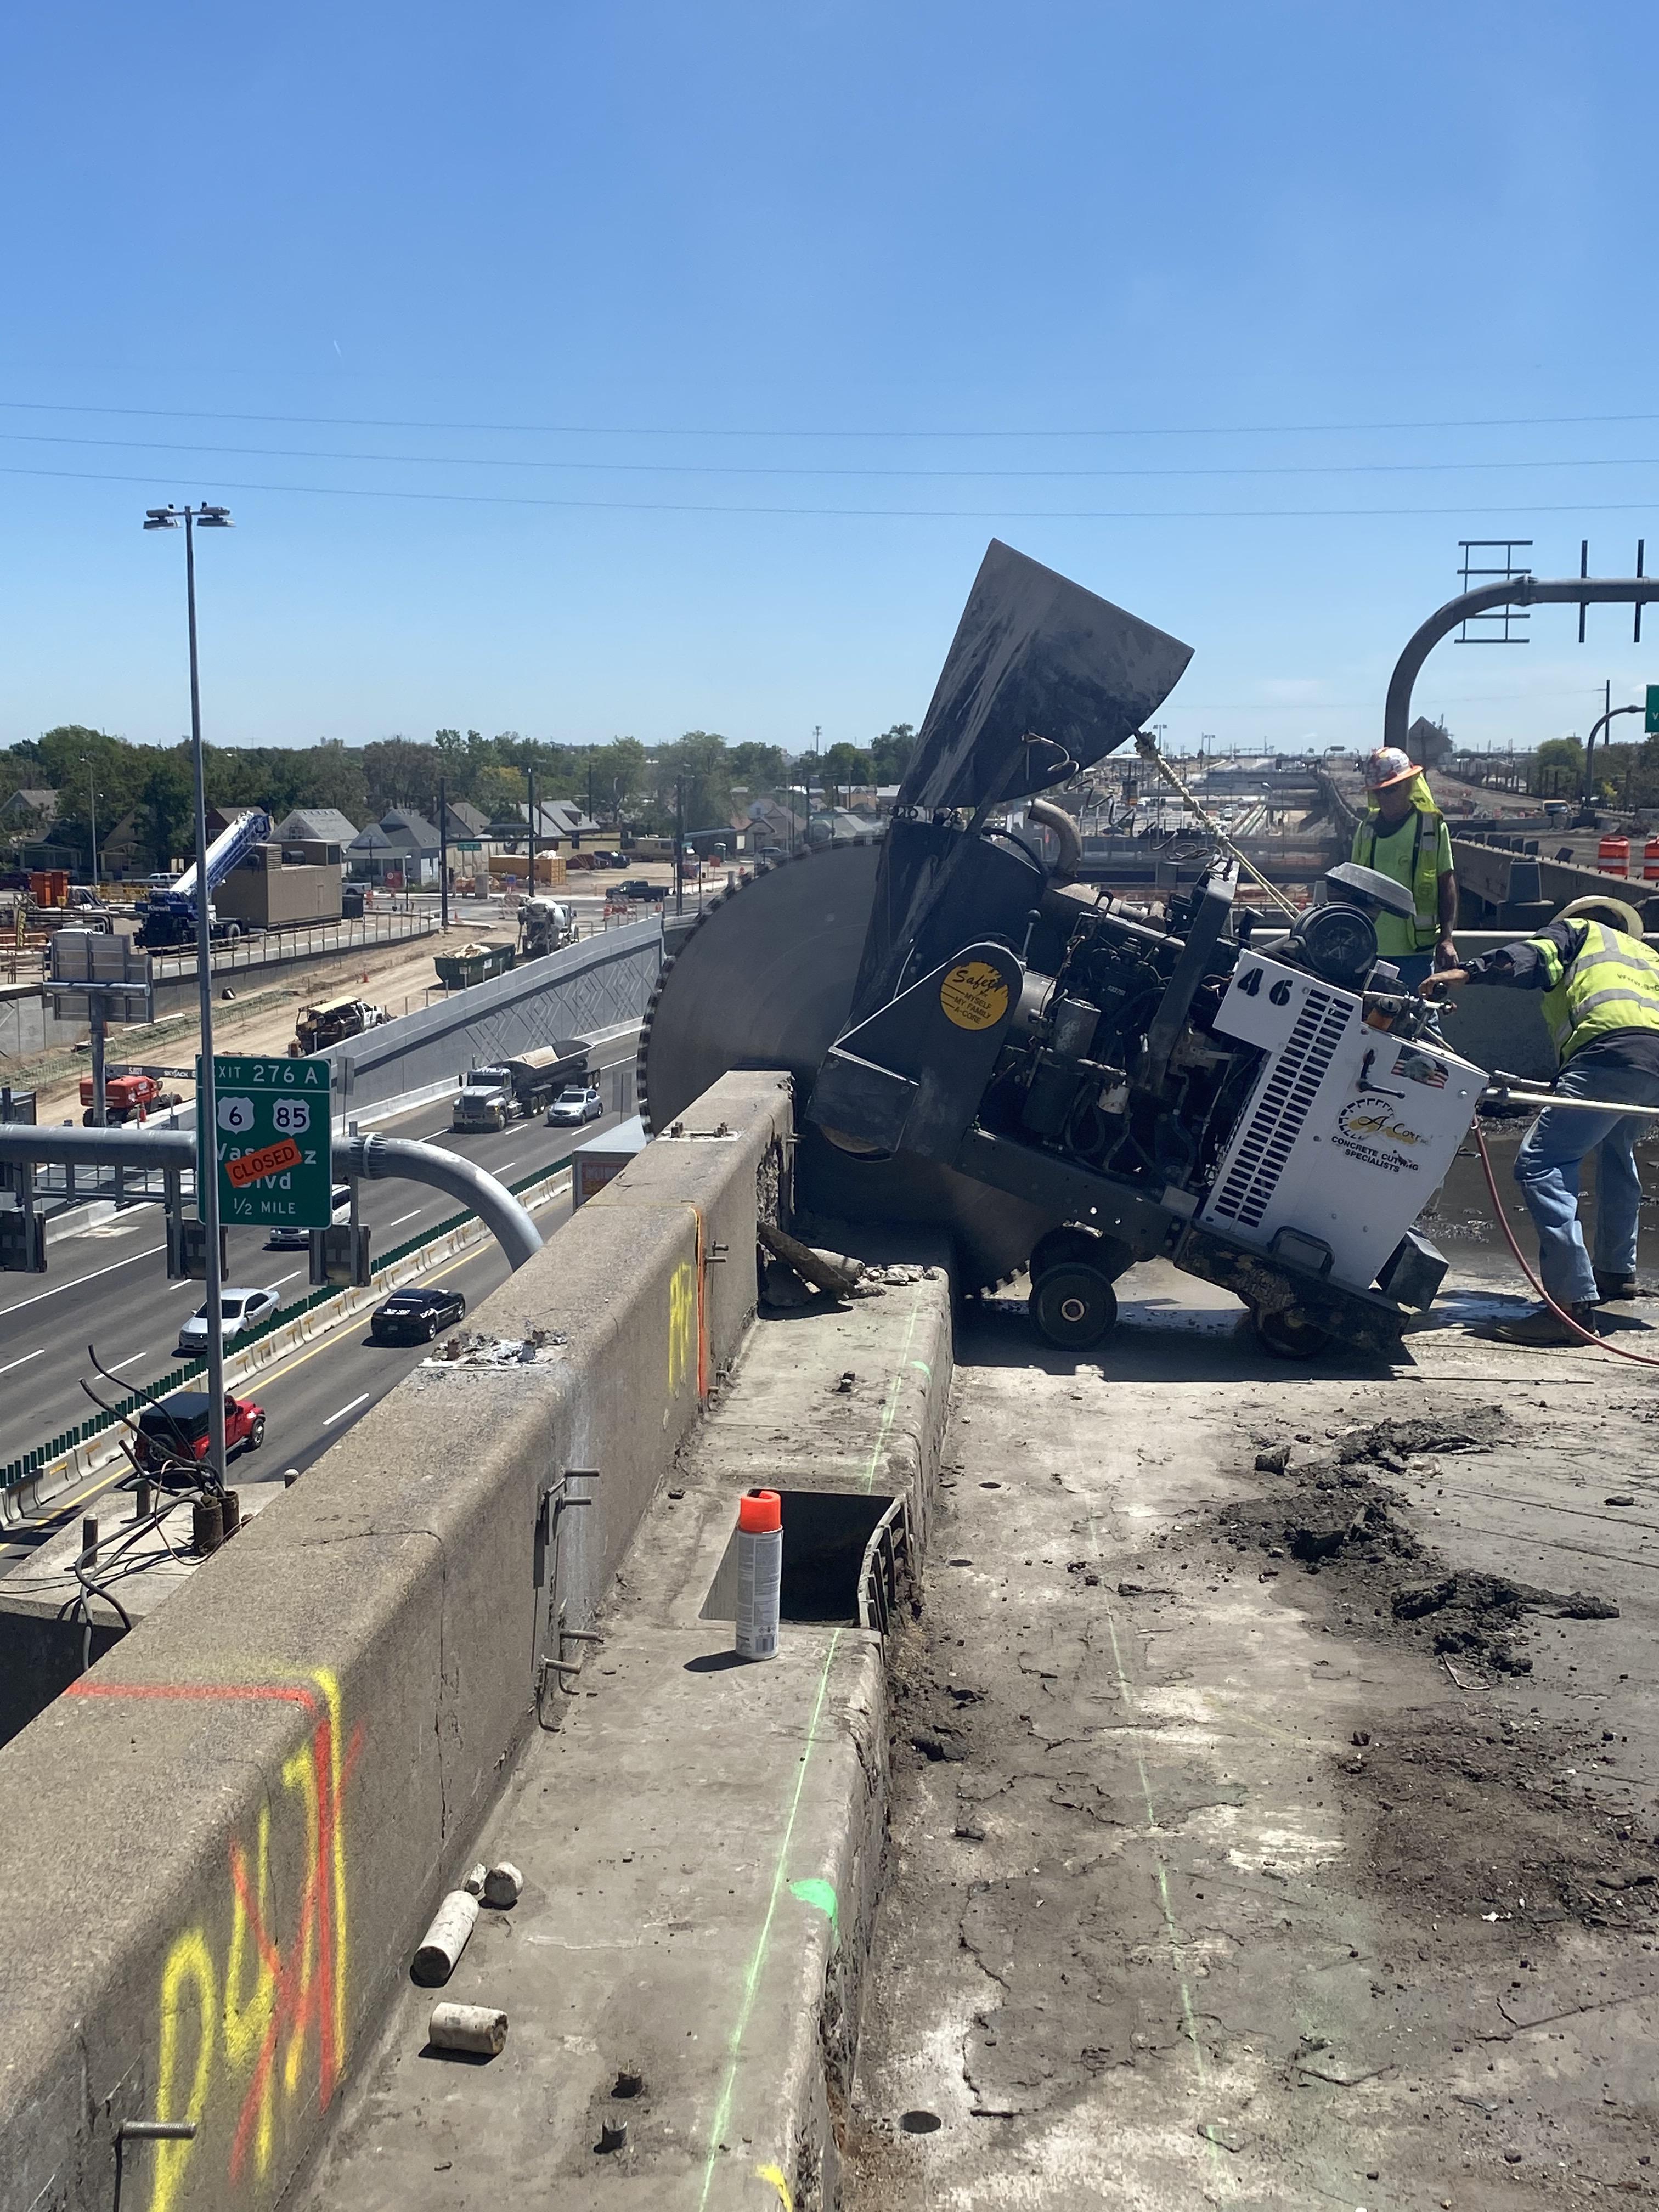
(219, 1848)
(595, 985)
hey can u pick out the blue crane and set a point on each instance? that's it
(170, 917)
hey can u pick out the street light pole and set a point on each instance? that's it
(207, 1140)
(92, 802)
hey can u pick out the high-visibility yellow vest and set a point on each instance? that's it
(1611, 983)
(1422, 878)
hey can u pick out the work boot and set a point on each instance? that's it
(1616, 1288)
(1540, 1328)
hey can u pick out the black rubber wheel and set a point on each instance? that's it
(1287, 1337)
(1072, 1305)
(431, 1328)
(1074, 1245)
(256, 1435)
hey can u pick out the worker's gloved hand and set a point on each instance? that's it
(1445, 955)
(1446, 980)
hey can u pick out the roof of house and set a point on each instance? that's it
(325, 824)
(38, 802)
(372, 840)
(466, 819)
(408, 831)
(557, 818)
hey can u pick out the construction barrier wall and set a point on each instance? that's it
(595, 985)
(219, 1848)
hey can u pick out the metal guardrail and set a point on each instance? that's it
(31, 1462)
(302, 941)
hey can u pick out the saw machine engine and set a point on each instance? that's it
(981, 1046)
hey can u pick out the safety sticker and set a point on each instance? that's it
(974, 996)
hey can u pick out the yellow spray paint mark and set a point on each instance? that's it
(248, 2020)
(773, 2175)
(188, 1973)
(682, 1323)
(277, 2013)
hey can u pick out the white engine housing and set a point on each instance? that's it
(1348, 1131)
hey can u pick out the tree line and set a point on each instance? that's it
(623, 781)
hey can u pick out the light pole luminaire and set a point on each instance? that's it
(207, 1143)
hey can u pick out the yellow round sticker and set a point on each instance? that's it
(974, 996)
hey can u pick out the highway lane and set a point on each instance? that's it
(310, 1398)
(108, 1287)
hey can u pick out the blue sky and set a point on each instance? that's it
(705, 348)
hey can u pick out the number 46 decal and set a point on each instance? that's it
(1249, 987)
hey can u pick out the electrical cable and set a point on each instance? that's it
(859, 514)
(1642, 1359)
(658, 430)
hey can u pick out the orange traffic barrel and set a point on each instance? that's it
(1651, 861)
(1614, 858)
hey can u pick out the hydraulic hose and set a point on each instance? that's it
(1642, 1359)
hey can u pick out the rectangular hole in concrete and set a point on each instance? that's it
(825, 1534)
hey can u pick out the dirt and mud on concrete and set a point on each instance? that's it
(1276, 1783)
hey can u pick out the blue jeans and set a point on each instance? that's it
(1547, 1169)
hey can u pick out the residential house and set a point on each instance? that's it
(400, 850)
(125, 852)
(314, 825)
(27, 814)
(559, 823)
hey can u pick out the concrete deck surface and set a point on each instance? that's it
(1213, 1884)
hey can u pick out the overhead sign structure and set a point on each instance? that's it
(272, 1142)
(1651, 720)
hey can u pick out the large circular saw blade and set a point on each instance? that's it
(764, 979)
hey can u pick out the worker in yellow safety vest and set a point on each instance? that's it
(1601, 985)
(1404, 835)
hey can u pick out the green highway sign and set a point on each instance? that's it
(272, 1142)
(1651, 720)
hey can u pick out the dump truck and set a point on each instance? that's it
(318, 1027)
(488, 1097)
(127, 1098)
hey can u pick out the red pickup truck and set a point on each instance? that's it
(177, 1429)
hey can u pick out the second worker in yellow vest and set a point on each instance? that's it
(1404, 835)
(1601, 985)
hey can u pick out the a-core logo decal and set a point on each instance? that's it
(974, 996)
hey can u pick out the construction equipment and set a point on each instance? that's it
(170, 916)
(983, 1047)
(126, 1098)
(318, 1027)
(473, 963)
(544, 925)
(489, 1095)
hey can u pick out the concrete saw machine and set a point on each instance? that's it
(981, 1045)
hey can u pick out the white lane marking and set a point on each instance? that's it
(402, 1218)
(116, 1366)
(24, 1361)
(501, 1166)
(330, 1418)
(91, 1276)
(292, 1276)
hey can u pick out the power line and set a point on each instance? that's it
(659, 430)
(770, 469)
(852, 513)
